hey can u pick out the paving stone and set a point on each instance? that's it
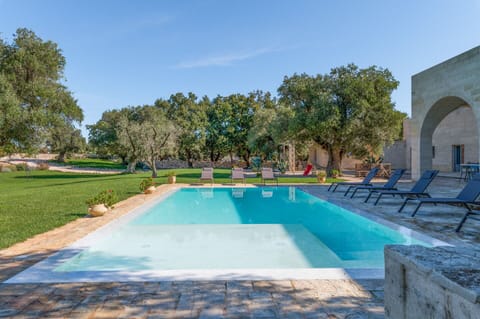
(8, 312)
(239, 286)
(264, 313)
(212, 313)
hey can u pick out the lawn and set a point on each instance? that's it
(92, 163)
(34, 204)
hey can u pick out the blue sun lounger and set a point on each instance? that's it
(418, 190)
(389, 185)
(466, 197)
(366, 181)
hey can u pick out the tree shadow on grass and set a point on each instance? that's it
(87, 180)
(198, 174)
(64, 176)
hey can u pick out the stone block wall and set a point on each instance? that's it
(396, 154)
(440, 282)
(457, 128)
(319, 157)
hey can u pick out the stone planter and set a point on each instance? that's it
(150, 190)
(97, 210)
(321, 179)
(172, 179)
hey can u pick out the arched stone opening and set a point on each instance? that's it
(452, 136)
(437, 92)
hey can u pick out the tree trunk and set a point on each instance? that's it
(61, 157)
(335, 157)
(154, 168)
(154, 172)
(246, 158)
(189, 159)
(212, 156)
(131, 166)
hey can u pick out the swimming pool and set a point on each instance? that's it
(280, 230)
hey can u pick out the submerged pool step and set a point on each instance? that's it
(206, 247)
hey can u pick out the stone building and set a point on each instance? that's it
(443, 130)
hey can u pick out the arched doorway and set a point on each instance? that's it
(458, 135)
(437, 92)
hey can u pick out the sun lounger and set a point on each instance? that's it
(237, 173)
(267, 174)
(389, 185)
(467, 196)
(365, 182)
(207, 174)
(418, 190)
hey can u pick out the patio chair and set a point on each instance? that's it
(267, 174)
(467, 196)
(365, 182)
(207, 174)
(389, 185)
(417, 191)
(237, 173)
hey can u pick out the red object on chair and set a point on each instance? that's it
(307, 170)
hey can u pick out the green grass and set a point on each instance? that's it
(46, 199)
(92, 163)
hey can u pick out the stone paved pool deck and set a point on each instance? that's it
(216, 299)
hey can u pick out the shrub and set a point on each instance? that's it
(282, 166)
(43, 166)
(21, 167)
(146, 183)
(256, 163)
(107, 197)
(321, 174)
(172, 173)
(335, 172)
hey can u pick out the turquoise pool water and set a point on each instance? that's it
(231, 228)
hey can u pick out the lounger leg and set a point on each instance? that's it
(416, 209)
(378, 199)
(331, 185)
(368, 196)
(404, 203)
(354, 192)
(348, 190)
(335, 188)
(460, 225)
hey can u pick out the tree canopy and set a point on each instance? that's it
(348, 110)
(34, 102)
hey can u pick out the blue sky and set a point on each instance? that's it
(123, 53)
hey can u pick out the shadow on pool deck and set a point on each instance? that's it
(186, 299)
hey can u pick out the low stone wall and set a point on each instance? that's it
(440, 282)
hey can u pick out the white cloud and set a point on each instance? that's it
(222, 60)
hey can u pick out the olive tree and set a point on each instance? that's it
(348, 110)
